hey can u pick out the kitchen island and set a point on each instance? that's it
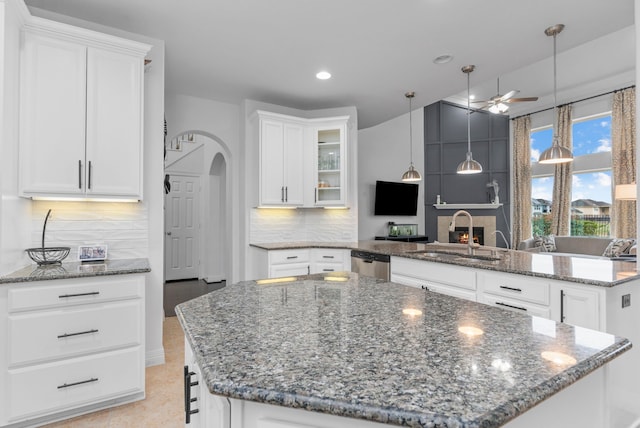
(377, 352)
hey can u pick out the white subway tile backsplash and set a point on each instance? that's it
(319, 225)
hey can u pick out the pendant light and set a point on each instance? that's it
(469, 166)
(412, 174)
(556, 153)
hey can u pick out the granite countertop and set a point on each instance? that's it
(77, 270)
(347, 348)
(597, 271)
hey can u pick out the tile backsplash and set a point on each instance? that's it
(294, 225)
(123, 227)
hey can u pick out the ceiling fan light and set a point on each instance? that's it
(469, 166)
(411, 174)
(555, 154)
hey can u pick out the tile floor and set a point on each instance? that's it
(163, 406)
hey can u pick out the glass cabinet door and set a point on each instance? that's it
(331, 162)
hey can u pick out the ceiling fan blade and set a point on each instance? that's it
(479, 102)
(508, 95)
(519, 100)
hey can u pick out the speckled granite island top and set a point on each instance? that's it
(364, 348)
(601, 271)
(77, 270)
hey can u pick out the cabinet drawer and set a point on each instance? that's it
(67, 332)
(516, 306)
(449, 290)
(57, 386)
(67, 292)
(327, 255)
(514, 286)
(328, 267)
(437, 272)
(292, 269)
(288, 256)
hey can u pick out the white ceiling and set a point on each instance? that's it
(270, 51)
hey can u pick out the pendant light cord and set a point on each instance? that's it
(468, 113)
(555, 96)
(410, 134)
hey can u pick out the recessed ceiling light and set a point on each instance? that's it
(443, 59)
(323, 75)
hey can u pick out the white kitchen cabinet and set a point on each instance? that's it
(579, 305)
(294, 262)
(330, 160)
(73, 346)
(301, 162)
(451, 280)
(517, 293)
(281, 161)
(325, 260)
(81, 117)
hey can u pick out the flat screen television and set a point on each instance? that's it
(396, 198)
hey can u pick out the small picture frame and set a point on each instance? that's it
(91, 253)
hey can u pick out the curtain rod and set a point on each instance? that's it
(574, 102)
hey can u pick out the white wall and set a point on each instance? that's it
(15, 224)
(384, 155)
(151, 208)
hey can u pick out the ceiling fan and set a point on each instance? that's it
(498, 103)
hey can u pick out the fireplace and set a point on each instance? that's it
(461, 235)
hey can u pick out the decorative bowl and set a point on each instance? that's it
(48, 255)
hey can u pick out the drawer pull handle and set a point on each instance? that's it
(62, 336)
(327, 270)
(504, 287)
(520, 308)
(93, 293)
(327, 257)
(292, 257)
(67, 385)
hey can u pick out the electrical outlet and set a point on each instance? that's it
(626, 300)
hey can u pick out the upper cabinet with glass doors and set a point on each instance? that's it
(330, 156)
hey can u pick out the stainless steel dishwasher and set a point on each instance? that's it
(370, 264)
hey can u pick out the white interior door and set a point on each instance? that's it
(182, 228)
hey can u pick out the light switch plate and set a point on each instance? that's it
(626, 300)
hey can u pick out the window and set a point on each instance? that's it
(591, 187)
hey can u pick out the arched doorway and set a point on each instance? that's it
(199, 161)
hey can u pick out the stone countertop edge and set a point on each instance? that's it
(496, 417)
(77, 270)
(407, 250)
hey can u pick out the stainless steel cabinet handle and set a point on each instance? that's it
(92, 293)
(67, 385)
(292, 257)
(282, 193)
(286, 194)
(561, 305)
(62, 336)
(327, 270)
(315, 195)
(327, 257)
(504, 287)
(511, 306)
(80, 174)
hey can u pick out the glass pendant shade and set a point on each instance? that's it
(411, 174)
(469, 166)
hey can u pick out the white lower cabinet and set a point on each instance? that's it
(72, 346)
(446, 279)
(515, 293)
(305, 261)
(579, 306)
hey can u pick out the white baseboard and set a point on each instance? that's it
(154, 357)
